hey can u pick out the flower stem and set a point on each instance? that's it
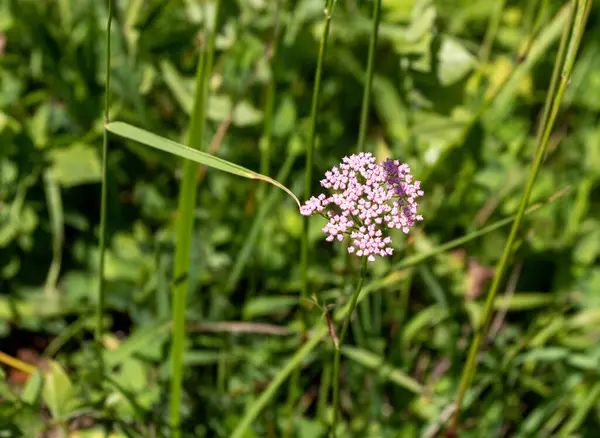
(308, 182)
(338, 347)
(362, 133)
(103, 195)
(366, 101)
(311, 141)
(564, 60)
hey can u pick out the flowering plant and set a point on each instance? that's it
(366, 197)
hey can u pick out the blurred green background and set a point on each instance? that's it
(460, 109)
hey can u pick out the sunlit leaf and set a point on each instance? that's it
(149, 139)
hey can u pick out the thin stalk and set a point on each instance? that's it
(364, 117)
(366, 101)
(292, 391)
(185, 226)
(564, 60)
(368, 321)
(311, 144)
(103, 195)
(338, 347)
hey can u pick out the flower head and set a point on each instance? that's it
(366, 198)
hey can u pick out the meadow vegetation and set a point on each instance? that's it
(159, 277)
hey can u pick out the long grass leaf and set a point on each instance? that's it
(185, 223)
(564, 61)
(164, 144)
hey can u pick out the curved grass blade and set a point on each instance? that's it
(164, 144)
(564, 62)
(185, 225)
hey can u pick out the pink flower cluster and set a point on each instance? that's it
(365, 198)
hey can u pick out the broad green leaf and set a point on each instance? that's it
(124, 260)
(149, 139)
(244, 114)
(38, 126)
(150, 337)
(455, 61)
(11, 268)
(430, 316)
(33, 389)
(58, 392)
(75, 165)
(131, 375)
(285, 117)
(587, 249)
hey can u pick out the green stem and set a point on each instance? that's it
(311, 144)
(363, 317)
(565, 60)
(338, 347)
(366, 101)
(367, 321)
(103, 195)
(185, 226)
(308, 187)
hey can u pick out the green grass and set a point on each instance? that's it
(564, 65)
(157, 279)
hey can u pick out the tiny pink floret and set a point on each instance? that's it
(366, 197)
